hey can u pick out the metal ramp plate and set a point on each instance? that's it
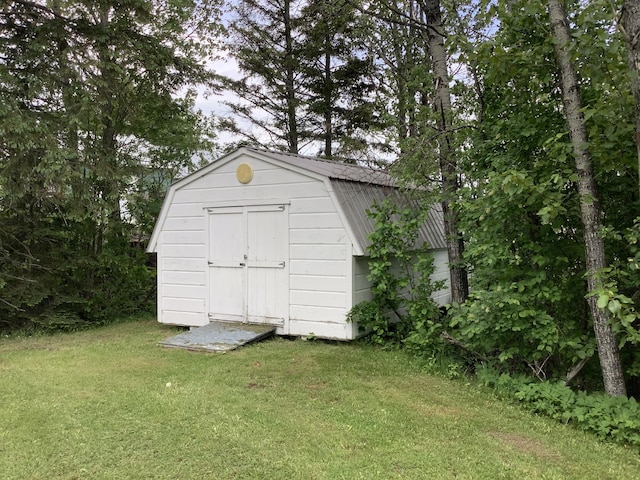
(219, 336)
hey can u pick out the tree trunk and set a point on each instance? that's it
(328, 94)
(290, 62)
(450, 183)
(108, 148)
(589, 207)
(630, 22)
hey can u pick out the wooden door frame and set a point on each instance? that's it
(256, 206)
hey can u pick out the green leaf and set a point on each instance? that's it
(603, 300)
(614, 306)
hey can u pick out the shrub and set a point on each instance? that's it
(400, 271)
(614, 418)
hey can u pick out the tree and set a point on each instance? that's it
(424, 115)
(337, 71)
(520, 210)
(90, 101)
(525, 307)
(630, 23)
(265, 42)
(448, 165)
(591, 214)
(404, 75)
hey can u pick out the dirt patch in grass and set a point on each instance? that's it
(526, 445)
(315, 387)
(252, 385)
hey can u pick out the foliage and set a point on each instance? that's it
(519, 207)
(337, 71)
(609, 418)
(620, 293)
(55, 284)
(526, 307)
(95, 99)
(400, 268)
(306, 77)
(404, 78)
(264, 41)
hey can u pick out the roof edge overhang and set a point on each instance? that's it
(258, 155)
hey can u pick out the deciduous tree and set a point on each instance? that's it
(630, 22)
(588, 197)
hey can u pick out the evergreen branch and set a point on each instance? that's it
(11, 305)
(405, 20)
(43, 8)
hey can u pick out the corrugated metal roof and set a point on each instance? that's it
(356, 198)
(333, 169)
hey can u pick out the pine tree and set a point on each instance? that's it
(337, 71)
(265, 43)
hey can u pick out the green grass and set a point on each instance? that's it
(108, 403)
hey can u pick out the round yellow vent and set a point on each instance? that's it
(244, 173)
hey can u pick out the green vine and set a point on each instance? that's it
(400, 269)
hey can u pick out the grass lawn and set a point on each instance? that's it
(108, 403)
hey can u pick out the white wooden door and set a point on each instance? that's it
(248, 258)
(267, 256)
(226, 264)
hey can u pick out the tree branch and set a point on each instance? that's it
(457, 343)
(571, 374)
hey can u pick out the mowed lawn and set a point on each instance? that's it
(109, 403)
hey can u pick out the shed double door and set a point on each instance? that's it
(248, 256)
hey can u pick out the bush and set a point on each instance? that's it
(51, 281)
(609, 418)
(400, 275)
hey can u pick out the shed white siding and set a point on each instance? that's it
(441, 264)
(362, 285)
(361, 282)
(300, 216)
(319, 248)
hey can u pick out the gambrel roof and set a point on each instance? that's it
(354, 188)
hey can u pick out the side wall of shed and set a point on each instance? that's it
(362, 285)
(319, 262)
(441, 263)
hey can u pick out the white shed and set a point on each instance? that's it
(265, 237)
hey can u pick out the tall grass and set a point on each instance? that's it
(108, 403)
